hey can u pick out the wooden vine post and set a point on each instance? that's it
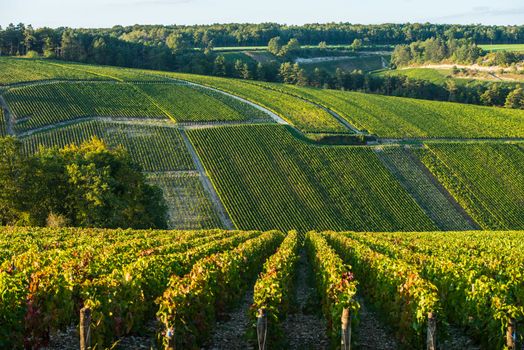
(170, 335)
(432, 332)
(262, 329)
(511, 335)
(345, 340)
(85, 328)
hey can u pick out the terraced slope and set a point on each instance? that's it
(443, 210)
(192, 104)
(46, 104)
(304, 115)
(486, 179)
(155, 148)
(396, 117)
(267, 178)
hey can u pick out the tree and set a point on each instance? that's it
(401, 55)
(88, 185)
(287, 73)
(219, 68)
(176, 43)
(291, 47)
(356, 45)
(493, 96)
(72, 48)
(515, 99)
(274, 46)
(13, 171)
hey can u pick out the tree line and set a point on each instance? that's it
(463, 51)
(88, 186)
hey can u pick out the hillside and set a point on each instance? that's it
(213, 144)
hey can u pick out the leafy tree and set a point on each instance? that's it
(13, 178)
(493, 96)
(515, 99)
(220, 68)
(88, 185)
(274, 46)
(356, 45)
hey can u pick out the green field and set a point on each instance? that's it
(397, 117)
(363, 63)
(436, 76)
(486, 179)
(3, 124)
(267, 178)
(503, 47)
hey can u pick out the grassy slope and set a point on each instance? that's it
(266, 178)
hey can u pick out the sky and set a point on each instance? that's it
(106, 13)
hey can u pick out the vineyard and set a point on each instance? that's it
(193, 104)
(486, 179)
(396, 117)
(23, 70)
(304, 115)
(460, 284)
(303, 187)
(402, 163)
(146, 144)
(40, 105)
(189, 204)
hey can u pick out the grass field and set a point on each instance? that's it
(503, 47)
(3, 124)
(363, 63)
(411, 174)
(266, 178)
(486, 179)
(46, 104)
(436, 76)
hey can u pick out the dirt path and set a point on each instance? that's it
(371, 332)
(230, 334)
(208, 186)
(305, 328)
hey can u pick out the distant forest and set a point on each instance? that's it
(190, 49)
